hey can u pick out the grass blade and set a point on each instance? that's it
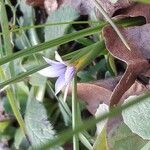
(52, 43)
(66, 135)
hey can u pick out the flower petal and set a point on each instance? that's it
(69, 74)
(60, 83)
(102, 109)
(51, 62)
(53, 71)
(58, 58)
(66, 92)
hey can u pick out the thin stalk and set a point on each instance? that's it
(34, 40)
(82, 136)
(5, 28)
(63, 40)
(100, 8)
(8, 51)
(85, 141)
(15, 109)
(1, 47)
(13, 103)
(88, 124)
(17, 29)
(13, 9)
(39, 67)
(53, 24)
(6, 34)
(21, 76)
(75, 113)
(62, 103)
(49, 44)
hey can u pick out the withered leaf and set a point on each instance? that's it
(96, 92)
(109, 83)
(111, 8)
(83, 6)
(49, 5)
(39, 3)
(100, 91)
(93, 95)
(136, 10)
(138, 40)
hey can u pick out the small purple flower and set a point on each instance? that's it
(59, 69)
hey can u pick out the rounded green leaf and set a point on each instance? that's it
(137, 117)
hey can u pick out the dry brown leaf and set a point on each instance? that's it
(136, 89)
(109, 83)
(93, 95)
(100, 91)
(39, 3)
(136, 10)
(49, 5)
(138, 40)
(111, 8)
(96, 92)
(83, 6)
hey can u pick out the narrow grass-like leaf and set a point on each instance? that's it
(75, 120)
(20, 77)
(57, 23)
(8, 50)
(100, 8)
(13, 104)
(52, 43)
(66, 135)
(90, 56)
(142, 1)
(65, 39)
(5, 28)
(52, 24)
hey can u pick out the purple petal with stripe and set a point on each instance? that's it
(58, 58)
(52, 62)
(53, 71)
(60, 83)
(69, 74)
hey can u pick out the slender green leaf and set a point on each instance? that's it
(52, 43)
(65, 136)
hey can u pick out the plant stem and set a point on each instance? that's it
(64, 39)
(8, 51)
(5, 29)
(15, 109)
(75, 113)
(88, 124)
(100, 8)
(13, 103)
